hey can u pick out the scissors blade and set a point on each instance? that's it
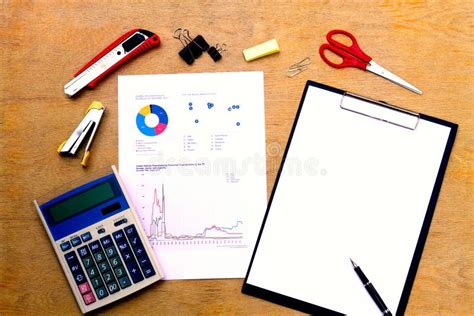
(382, 72)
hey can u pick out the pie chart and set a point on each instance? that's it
(152, 120)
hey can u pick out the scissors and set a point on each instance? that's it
(353, 56)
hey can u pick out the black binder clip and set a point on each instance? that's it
(215, 52)
(192, 48)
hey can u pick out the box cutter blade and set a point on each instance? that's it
(124, 48)
(88, 126)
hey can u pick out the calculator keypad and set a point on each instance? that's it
(103, 265)
(139, 251)
(115, 262)
(126, 251)
(112, 263)
(92, 270)
(79, 277)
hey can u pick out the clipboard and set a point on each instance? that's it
(359, 179)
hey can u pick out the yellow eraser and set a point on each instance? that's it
(264, 49)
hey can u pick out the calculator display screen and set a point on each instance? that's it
(81, 202)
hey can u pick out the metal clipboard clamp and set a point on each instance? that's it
(379, 110)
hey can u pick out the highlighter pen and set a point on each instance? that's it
(371, 289)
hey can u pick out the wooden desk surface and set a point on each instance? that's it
(43, 43)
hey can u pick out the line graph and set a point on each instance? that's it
(157, 230)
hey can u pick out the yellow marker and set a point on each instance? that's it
(85, 159)
(261, 50)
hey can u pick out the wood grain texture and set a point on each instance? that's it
(42, 44)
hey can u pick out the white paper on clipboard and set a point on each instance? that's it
(367, 201)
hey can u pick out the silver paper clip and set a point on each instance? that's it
(88, 126)
(380, 110)
(299, 67)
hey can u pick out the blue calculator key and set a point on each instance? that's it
(106, 241)
(113, 287)
(95, 246)
(101, 293)
(83, 252)
(104, 266)
(139, 251)
(65, 246)
(125, 282)
(134, 271)
(108, 277)
(88, 262)
(92, 272)
(97, 282)
(130, 230)
(99, 256)
(79, 277)
(111, 251)
(120, 271)
(148, 271)
(118, 235)
(75, 268)
(115, 261)
(127, 256)
(71, 258)
(144, 261)
(135, 241)
(123, 246)
(86, 236)
(76, 241)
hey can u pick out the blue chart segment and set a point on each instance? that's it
(162, 120)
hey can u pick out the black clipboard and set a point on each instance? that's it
(303, 306)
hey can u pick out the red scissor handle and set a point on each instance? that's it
(354, 49)
(347, 59)
(352, 56)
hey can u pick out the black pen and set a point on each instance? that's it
(371, 289)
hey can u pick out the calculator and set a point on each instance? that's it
(98, 240)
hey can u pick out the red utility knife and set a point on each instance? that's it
(124, 48)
